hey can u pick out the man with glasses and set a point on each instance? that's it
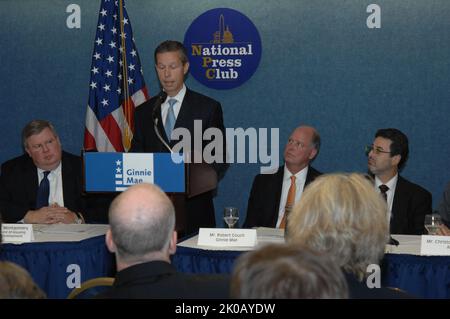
(44, 185)
(408, 203)
(178, 107)
(273, 195)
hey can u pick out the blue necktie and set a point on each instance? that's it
(170, 119)
(43, 191)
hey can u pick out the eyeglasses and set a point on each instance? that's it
(297, 144)
(40, 147)
(376, 149)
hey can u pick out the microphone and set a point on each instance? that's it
(157, 108)
(393, 241)
(161, 98)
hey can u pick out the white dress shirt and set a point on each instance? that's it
(300, 179)
(56, 185)
(176, 108)
(392, 183)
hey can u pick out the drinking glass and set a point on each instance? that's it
(230, 216)
(432, 223)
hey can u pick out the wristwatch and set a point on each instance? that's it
(80, 219)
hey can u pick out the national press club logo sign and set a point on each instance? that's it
(224, 48)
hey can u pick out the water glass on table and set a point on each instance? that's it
(432, 223)
(230, 216)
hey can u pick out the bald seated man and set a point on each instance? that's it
(268, 197)
(143, 237)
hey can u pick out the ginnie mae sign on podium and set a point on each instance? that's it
(115, 172)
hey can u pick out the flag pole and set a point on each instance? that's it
(126, 140)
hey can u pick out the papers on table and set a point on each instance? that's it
(66, 232)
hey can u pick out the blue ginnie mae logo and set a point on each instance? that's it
(115, 172)
(224, 48)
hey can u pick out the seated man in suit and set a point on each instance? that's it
(408, 203)
(274, 194)
(444, 211)
(142, 235)
(44, 185)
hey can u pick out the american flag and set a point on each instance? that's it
(117, 84)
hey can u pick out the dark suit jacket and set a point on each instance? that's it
(264, 200)
(19, 184)
(159, 279)
(195, 106)
(411, 204)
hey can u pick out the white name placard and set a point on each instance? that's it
(224, 237)
(17, 233)
(435, 245)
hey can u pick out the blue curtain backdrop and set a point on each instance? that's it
(320, 65)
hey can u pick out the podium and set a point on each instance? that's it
(105, 172)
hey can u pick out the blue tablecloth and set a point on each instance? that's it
(47, 262)
(421, 276)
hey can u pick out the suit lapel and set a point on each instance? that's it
(278, 186)
(185, 116)
(398, 206)
(32, 176)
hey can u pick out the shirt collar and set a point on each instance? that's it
(179, 97)
(391, 183)
(57, 170)
(301, 175)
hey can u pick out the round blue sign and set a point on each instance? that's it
(224, 48)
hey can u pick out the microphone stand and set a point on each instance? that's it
(160, 100)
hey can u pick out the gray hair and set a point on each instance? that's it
(35, 127)
(150, 227)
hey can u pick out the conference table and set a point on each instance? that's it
(61, 256)
(402, 266)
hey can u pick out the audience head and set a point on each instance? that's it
(16, 283)
(342, 215)
(42, 144)
(287, 271)
(172, 65)
(302, 147)
(388, 153)
(142, 223)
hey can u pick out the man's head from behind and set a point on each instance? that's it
(342, 215)
(302, 147)
(41, 142)
(389, 152)
(142, 222)
(16, 283)
(287, 271)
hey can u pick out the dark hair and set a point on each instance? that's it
(172, 46)
(399, 145)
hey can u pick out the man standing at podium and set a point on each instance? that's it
(178, 107)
